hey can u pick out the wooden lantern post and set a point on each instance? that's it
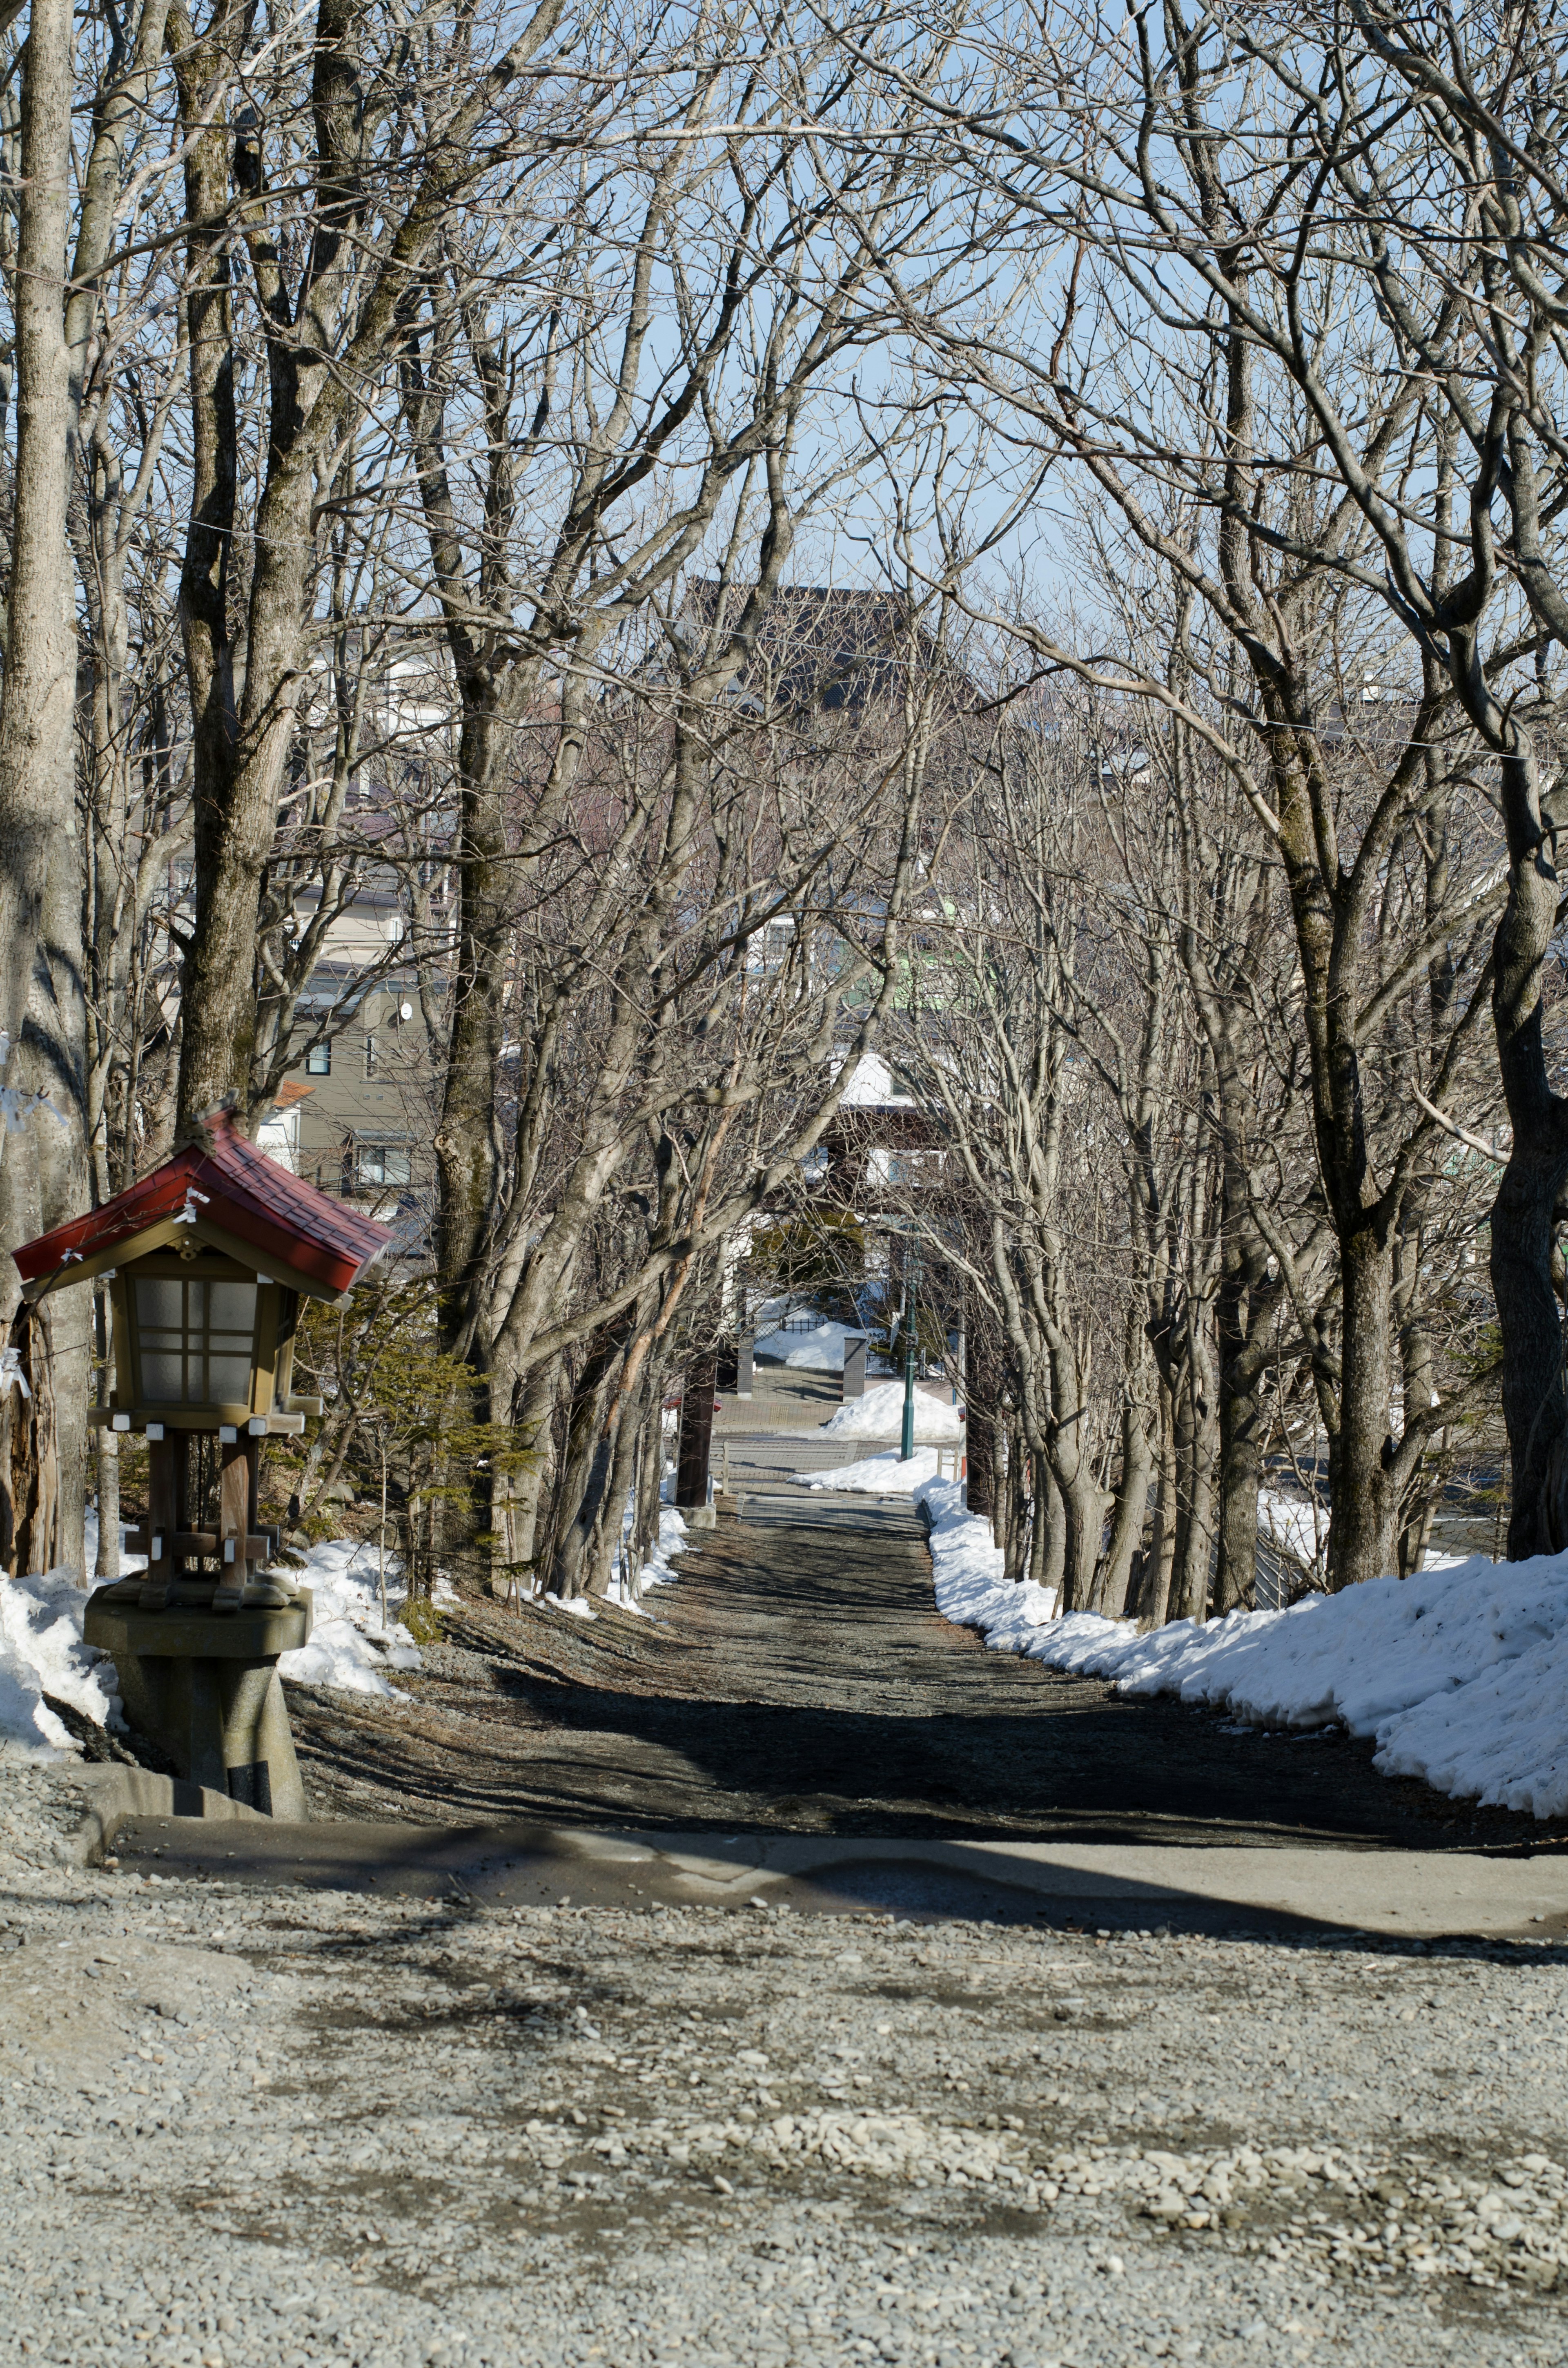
(208, 1259)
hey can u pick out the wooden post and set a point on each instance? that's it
(166, 1458)
(237, 1515)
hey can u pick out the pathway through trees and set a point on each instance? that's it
(798, 1677)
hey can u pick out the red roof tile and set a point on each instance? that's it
(286, 1221)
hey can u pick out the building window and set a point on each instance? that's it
(318, 1061)
(370, 1166)
(370, 1056)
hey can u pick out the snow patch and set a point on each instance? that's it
(877, 1476)
(657, 1571)
(879, 1414)
(41, 1653)
(971, 1590)
(348, 1647)
(42, 1649)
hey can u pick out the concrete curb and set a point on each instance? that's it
(117, 1793)
(1408, 1894)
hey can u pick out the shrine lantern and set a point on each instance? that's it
(208, 1259)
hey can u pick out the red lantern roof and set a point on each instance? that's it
(221, 1190)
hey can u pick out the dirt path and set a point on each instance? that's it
(798, 1677)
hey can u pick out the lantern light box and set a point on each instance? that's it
(208, 1259)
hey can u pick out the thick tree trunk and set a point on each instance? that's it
(1525, 1213)
(37, 802)
(42, 1018)
(585, 1470)
(1364, 1501)
(696, 1434)
(106, 1565)
(979, 1464)
(531, 1486)
(1195, 1444)
(1535, 1399)
(1114, 1581)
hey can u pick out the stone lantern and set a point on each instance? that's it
(208, 1259)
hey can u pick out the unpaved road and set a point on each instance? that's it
(798, 1677)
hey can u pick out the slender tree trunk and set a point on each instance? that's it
(1153, 1606)
(1240, 1446)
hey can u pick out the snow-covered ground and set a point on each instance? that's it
(879, 1414)
(42, 1651)
(348, 1647)
(877, 1476)
(971, 1590)
(820, 1350)
(1460, 1674)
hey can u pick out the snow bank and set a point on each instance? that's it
(349, 1647)
(41, 1653)
(971, 1590)
(877, 1476)
(879, 1414)
(1460, 1674)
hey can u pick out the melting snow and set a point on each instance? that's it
(879, 1414)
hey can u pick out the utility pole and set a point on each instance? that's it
(911, 1282)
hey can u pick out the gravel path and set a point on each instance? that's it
(280, 2127)
(252, 2123)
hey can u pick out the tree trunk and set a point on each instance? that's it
(980, 1466)
(105, 1564)
(1154, 1604)
(1114, 1581)
(1363, 1501)
(42, 1015)
(1534, 1398)
(37, 794)
(1525, 1214)
(1195, 1445)
(1241, 1448)
(531, 1486)
(696, 1435)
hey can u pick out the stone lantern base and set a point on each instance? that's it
(204, 1687)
